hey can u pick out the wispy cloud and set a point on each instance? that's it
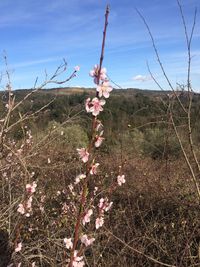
(142, 78)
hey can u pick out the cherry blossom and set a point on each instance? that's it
(83, 154)
(68, 243)
(78, 264)
(88, 104)
(104, 205)
(121, 179)
(86, 241)
(96, 107)
(93, 169)
(99, 222)
(31, 188)
(18, 247)
(79, 178)
(87, 216)
(101, 203)
(21, 209)
(99, 140)
(108, 206)
(78, 261)
(99, 126)
(95, 72)
(104, 89)
(95, 190)
(77, 68)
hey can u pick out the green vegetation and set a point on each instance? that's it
(138, 117)
(156, 212)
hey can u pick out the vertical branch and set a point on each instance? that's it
(186, 110)
(189, 86)
(103, 43)
(186, 158)
(160, 62)
(85, 185)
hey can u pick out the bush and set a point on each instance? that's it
(156, 143)
(159, 143)
(72, 136)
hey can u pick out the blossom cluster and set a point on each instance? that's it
(25, 208)
(104, 206)
(94, 106)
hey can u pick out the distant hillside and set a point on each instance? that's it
(82, 90)
(128, 111)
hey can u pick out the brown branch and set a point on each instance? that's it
(103, 44)
(85, 185)
(159, 60)
(138, 251)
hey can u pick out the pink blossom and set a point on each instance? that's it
(93, 169)
(87, 216)
(97, 106)
(104, 205)
(21, 208)
(99, 222)
(78, 261)
(95, 72)
(104, 89)
(79, 178)
(68, 243)
(98, 141)
(121, 179)
(18, 247)
(95, 190)
(99, 126)
(101, 203)
(108, 206)
(83, 154)
(88, 104)
(31, 188)
(86, 241)
(77, 68)
(94, 106)
(78, 264)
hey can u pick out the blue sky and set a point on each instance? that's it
(36, 35)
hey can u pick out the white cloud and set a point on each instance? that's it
(142, 78)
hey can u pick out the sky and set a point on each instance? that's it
(37, 35)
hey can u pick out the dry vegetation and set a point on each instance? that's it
(151, 137)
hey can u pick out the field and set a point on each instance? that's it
(154, 218)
